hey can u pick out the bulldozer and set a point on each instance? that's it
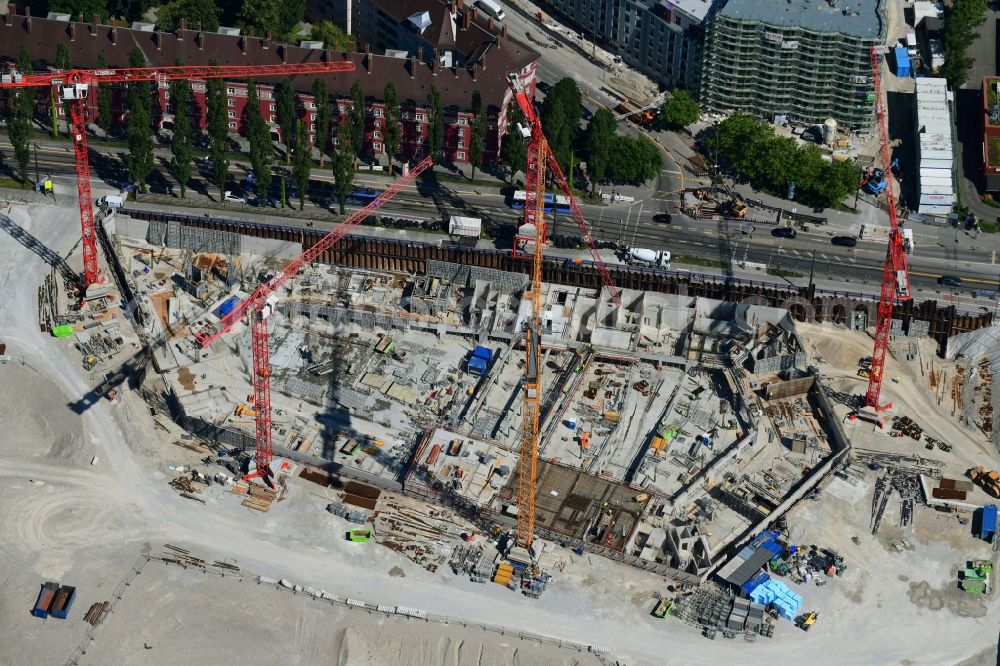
(988, 480)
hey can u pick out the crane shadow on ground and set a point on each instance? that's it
(49, 256)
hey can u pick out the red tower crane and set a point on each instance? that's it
(260, 304)
(75, 84)
(538, 158)
(895, 275)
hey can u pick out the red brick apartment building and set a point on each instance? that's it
(468, 53)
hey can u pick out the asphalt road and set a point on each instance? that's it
(722, 243)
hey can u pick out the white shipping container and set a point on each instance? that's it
(930, 209)
(937, 191)
(927, 183)
(936, 199)
(930, 163)
(932, 172)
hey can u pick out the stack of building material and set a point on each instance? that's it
(935, 150)
(259, 498)
(504, 573)
(777, 594)
(97, 612)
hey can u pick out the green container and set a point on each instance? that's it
(971, 574)
(63, 331)
(360, 535)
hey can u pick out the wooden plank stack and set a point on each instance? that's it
(97, 612)
(259, 498)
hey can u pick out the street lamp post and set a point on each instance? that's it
(811, 267)
(715, 162)
(36, 161)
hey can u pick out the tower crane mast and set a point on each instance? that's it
(538, 158)
(895, 274)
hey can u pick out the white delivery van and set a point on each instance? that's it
(492, 9)
(112, 201)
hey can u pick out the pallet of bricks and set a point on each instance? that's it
(259, 498)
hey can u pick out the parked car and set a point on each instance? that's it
(950, 281)
(234, 197)
(784, 232)
(845, 241)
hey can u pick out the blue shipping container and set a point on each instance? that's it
(227, 306)
(477, 365)
(483, 352)
(902, 61)
(988, 522)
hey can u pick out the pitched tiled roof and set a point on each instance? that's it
(411, 78)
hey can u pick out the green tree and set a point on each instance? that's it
(841, 180)
(741, 139)
(62, 61)
(75, 8)
(287, 116)
(561, 113)
(810, 170)
(633, 160)
(435, 129)
(779, 161)
(218, 131)
(393, 127)
(342, 163)
(680, 110)
(324, 115)
(648, 158)
(302, 164)
(477, 132)
(513, 147)
(21, 109)
(622, 165)
(204, 13)
(104, 98)
(260, 15)
(960, 23)
(261, 147)
(600, 134)
(181, 149)
(138, 129)
(130, 10)
(333, 37)
(356, 119)
(279, 17)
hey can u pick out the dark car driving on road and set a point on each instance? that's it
(950, 281)
(844, 241)
(784, 232)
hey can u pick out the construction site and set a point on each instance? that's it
(447, 462)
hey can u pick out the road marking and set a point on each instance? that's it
(795, 252)
(824, 257)
(964, 280)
